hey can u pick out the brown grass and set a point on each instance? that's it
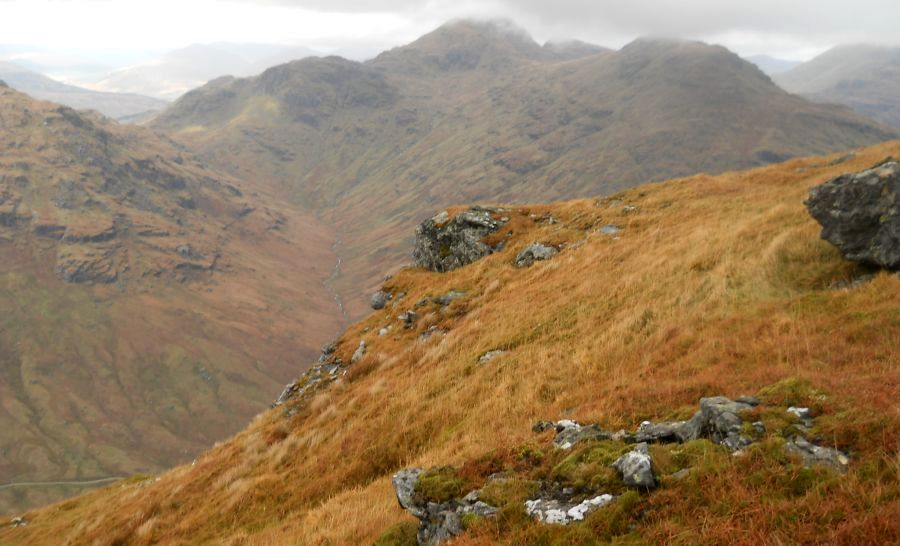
(716, 286)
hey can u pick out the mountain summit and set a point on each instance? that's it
(480, 112)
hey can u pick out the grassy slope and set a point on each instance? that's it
(377, 147)
(139, 375)
(717, 286)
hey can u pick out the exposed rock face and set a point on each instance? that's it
(534, 252)
(444, 244)
(560, 512)
(438, 521)
(635, 467)
(860, 214)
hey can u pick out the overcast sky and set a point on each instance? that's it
(795, 29)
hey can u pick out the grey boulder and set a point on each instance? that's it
(533, 253)
(379, 299)
(636, 467)
(860, 214)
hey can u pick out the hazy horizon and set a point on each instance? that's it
(101, 34)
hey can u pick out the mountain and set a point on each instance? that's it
(712, 285)
(183, 69)
(863, 77)
(149, 305)
(481, 112)
(771, 65)
(114, 105)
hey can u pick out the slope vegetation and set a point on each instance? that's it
(865, 78)
(713, 286)
(477, 111)
(148, 305)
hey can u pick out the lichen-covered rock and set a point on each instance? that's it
(444, 244)
(860, 214)
(636, 467)
(405, 486)
(437, 521)
(562, 512)
(813, 455)
(534, 252)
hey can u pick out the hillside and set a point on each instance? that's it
(114, 105)
(865, 78)
(149, 305)
(712, 286)
(479, 111)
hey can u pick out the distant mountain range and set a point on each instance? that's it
(183, 69)
(120, 106)
(864, 77)
(481, 112)
(772, 65)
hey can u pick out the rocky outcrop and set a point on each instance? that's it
(860, 214)
(328, 369)
(533, 253)
(443, 244)
(718, 420)
(438, 522)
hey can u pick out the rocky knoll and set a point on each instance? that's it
(444, 243)
(860, 214)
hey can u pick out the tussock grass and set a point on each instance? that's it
(717, 285)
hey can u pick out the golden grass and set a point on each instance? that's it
(718, 285)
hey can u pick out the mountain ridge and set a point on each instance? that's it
(148, 301)
(427, 124)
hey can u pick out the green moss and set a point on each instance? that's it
(440, 485)
(614, 520)
(588, 467)
(508, 491)
(791, 391)
(400, 534)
